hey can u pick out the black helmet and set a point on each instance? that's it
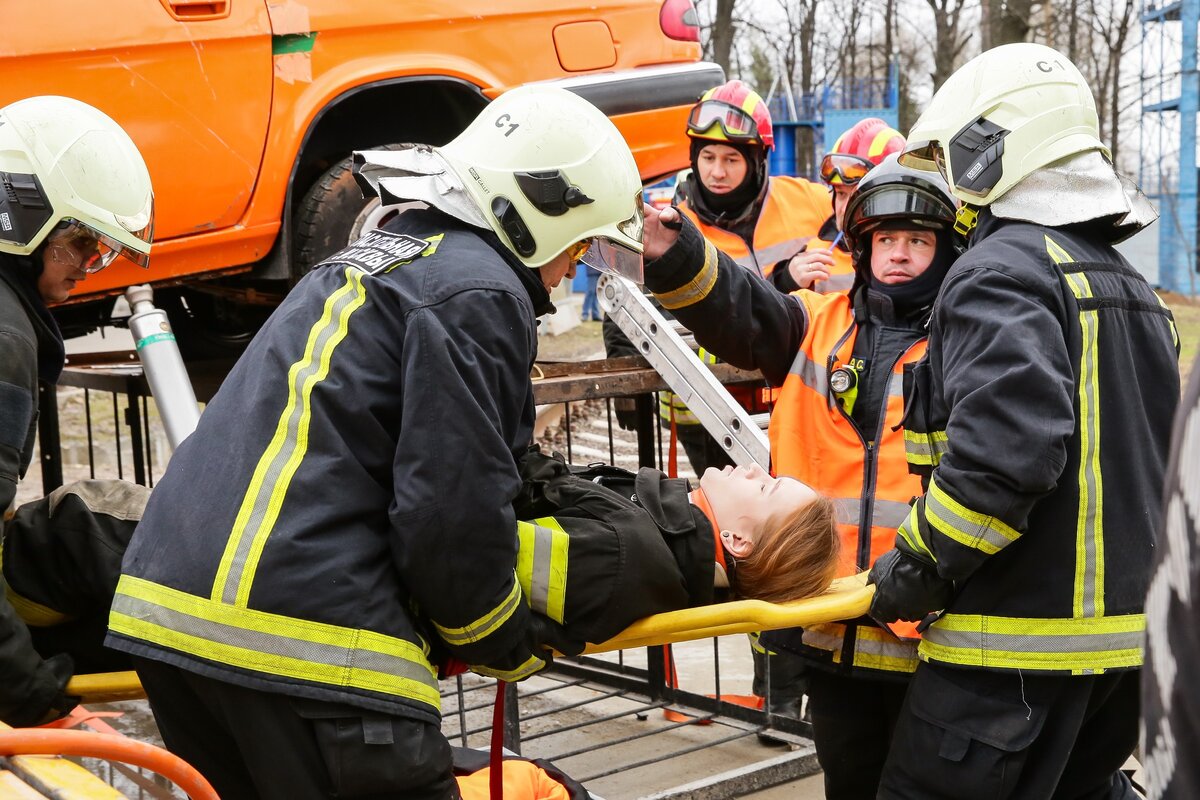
(891, 193)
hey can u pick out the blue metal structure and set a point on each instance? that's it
(1170, 102)
(830, 112)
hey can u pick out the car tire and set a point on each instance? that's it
(333, 214)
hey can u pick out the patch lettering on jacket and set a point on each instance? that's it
(378, 251)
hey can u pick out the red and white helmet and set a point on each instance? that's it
(732, 112)
(859, 149)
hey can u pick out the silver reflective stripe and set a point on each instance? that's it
(835, 283)
(273, 652)
(967, 527)
(811, 373)
(1082, 646)
(772, 254)
(485, 625)
(896, 385)
(884, 513)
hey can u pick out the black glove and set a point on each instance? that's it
(544, 633)
(48, 701)
(626, 411)
(907, 588)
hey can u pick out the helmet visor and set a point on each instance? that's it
(844, 168)
(736, 124)
(614, 258)
(926, 155)
(75, 242)
(900, 203)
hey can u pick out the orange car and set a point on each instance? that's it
(247, 110)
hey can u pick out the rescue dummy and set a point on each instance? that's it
(74, 196)
(602, 547)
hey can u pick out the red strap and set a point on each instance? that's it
(496, 760)
(672, 450)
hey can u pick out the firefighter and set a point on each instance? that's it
(356, 471)
(1040, 420)
(839, 360)
(824, 264)
(76, 194)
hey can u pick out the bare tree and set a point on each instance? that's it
(718, 36)
(1005, 21)
(951, 37)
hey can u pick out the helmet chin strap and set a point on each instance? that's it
(966, 219)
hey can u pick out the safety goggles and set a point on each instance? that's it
(73, 242)
(735, 123)
(606, 255)
(846, 169)
(927, 156)
(576, 251)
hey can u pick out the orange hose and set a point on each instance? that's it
(37, 741)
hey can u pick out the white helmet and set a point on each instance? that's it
(549, 171)
(65, 164)
(1001, 116)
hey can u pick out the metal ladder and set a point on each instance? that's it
(662, 343)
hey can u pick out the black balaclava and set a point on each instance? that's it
(732, 204)
(921, 290)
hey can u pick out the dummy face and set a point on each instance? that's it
(63, 262)
(721, 168)
(900, 256)
(557, 268)
(743, 499)
(841, 198)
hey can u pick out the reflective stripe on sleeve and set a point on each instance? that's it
(698, 287)
(542, 561)
(531, 665)
(924, 449)
(485, 625)
(969, 528)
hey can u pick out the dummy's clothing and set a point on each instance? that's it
(603, 547)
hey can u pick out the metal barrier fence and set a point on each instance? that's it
(619, 722)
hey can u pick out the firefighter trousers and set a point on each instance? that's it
(253, 744)
(983, 734)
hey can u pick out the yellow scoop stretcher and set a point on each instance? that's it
(846, 598)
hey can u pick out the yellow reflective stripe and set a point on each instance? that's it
(1056, 252)
(698, 287)
(924, 449)
(707, 357)
(486, 624)
(272, 644)
(756, 644)
(1085, 645)
(669, 403)
(910, 531)
(531, 665)
(264, 498)
(434, 241)
(969, 528)
(1170, 320)
(874, 648)
(1089, 525)
(542, 565)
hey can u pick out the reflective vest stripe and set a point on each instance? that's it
(924, 449)
(698, 287)
(896, 385)
(910, 532)
(835, 283)
(669, 402)
(531, 665)
(874, 648)
(542, 565)
(1085, 645)
(811, 374)
(772, 254)
(489, 622)
(273, 644)
(969, 528)
(884, 513)
(264, 498)
(1089, 530)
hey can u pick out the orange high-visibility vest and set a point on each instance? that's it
(792, 213)
(813, 440)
